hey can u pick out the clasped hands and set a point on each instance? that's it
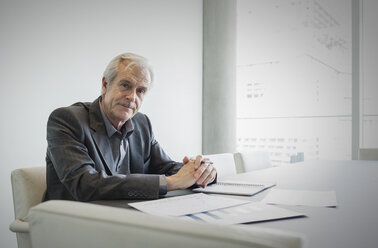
(199, 171)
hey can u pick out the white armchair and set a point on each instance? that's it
(253, 160)
(224, 164)
(28, 186)
(86, 225)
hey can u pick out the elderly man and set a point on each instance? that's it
(106, 149)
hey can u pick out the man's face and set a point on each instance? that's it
(123, 97)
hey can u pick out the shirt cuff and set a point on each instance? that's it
(163, 186)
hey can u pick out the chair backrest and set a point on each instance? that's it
(369, 154)
(224, 164)
(58, 223)
(28, 186)
(253, 160)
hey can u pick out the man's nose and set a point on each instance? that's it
(132, 95)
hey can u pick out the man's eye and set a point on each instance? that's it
(142, 91)
(125, 85)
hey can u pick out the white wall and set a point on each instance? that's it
(53, 53)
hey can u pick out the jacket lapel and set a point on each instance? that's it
(100, 135)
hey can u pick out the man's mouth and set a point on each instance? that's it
(129, 106)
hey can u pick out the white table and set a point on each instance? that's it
(354, 223)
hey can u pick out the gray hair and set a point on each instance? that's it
(112, 69)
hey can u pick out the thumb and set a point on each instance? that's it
(185, 160)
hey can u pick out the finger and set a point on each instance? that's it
(200, 170)
(205, 172)
(197, 163)
(210, 178)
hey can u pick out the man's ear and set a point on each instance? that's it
(104, 86)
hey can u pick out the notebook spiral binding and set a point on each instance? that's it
(241, 184)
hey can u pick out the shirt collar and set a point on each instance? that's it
(128, 127)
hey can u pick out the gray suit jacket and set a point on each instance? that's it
(79, 165)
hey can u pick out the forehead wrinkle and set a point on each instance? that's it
(136, 72)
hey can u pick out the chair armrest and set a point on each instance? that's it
(19, 226)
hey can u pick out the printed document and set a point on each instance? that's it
(186, 204)
(247, 213)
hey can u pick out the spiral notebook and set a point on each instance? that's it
(235, 188)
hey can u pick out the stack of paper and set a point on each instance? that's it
(213, 209)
